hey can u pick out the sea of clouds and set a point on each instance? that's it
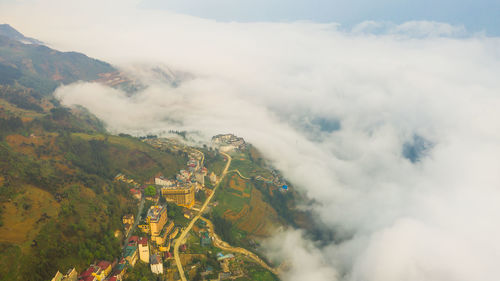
(395, 133)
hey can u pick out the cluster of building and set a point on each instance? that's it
(159, 227)
(100, 271)
(187, 182)
(229, 142)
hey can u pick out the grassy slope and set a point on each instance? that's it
(59, 205)
(251, 208)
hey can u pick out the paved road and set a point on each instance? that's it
(226, 247)
(193, 221)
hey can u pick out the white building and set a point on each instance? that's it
(156, 264)
(143, 249)
(164, 182)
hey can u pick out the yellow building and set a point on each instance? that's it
(70, 276)
(182, 196)
(157, 218)
(165, 234)
(128, 219)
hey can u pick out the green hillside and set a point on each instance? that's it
(42, 69)
(59, 205)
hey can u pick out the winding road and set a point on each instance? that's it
(239, 174)
(181, 238)
(226, 247)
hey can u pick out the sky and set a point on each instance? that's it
(394, 133)
(476, 16)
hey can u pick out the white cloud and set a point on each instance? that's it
(435, 219)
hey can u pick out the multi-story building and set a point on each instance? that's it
(164, 235)
(182, 196)
(157, 218)
(143, 249)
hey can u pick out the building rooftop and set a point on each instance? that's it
(133, 239)
(155, 259)
(103, 264)
(154, 213)
(129, 250)
(143, 241)
(89, 271)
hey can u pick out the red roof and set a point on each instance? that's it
(135, 191)
(88, 272)
(133, 239)
(103, 264)
(143, 241)
(114, 278)
(89, 278)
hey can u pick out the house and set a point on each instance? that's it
(128, 219)
(132, 241)
(136, 193)
(213, 178)
(221, 256)
(120, 269)
(156, 264)
(183, 248)
(131, 254)
(205, 239)
(143, 249)
(71, 275)
(93, 273)
(200, 177)
(105, 267)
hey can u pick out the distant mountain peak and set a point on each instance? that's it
(10, 32)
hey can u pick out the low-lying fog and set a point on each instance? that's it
(395, 135)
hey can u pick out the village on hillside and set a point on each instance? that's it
(149, 235)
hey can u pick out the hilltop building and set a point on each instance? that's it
(229, 142)
(182, 196)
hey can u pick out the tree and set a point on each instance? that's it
(150, 191)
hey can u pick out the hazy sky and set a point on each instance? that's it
(475, 15)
